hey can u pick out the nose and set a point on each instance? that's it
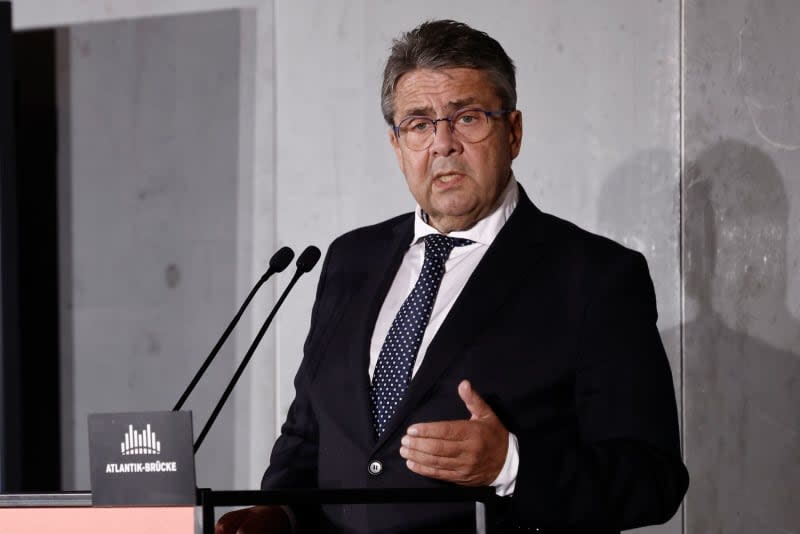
(444, 140)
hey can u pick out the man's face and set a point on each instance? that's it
(456, 183)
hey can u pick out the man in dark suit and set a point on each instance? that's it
(477, 341)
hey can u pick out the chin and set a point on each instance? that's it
(454, 204)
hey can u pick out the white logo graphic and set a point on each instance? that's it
(144, 442)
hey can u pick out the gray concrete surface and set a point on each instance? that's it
(679, 139)
(740, 256)
(149, 198)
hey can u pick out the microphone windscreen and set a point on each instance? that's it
(308, 259)
(281, 259)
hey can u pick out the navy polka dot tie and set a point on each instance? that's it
(399, 352)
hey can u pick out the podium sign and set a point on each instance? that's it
(142, 459)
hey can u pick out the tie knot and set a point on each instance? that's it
(439, 246)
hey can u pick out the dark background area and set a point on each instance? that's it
(29, 244)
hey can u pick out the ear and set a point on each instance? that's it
(515, 132)
(397, 150)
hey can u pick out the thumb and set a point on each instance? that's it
(474, 403)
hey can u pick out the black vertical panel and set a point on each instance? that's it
(11, 431)
(29, 429)
(35, 136)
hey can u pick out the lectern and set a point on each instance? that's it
(483, 498)
(72, 513)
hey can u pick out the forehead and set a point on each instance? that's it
(436, 91)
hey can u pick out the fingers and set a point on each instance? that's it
(433, 446)
(449, 430)
(456, 430)
(229, 523)
(445, 459)
(451, 457)
(253, 520)
(458, 476)
(450, 463)
(467, 452)
(474, 403)
(434, 452)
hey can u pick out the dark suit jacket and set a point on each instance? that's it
(556, 329)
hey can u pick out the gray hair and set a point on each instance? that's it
(444, 44)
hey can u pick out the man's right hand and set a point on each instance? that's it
(255, 520)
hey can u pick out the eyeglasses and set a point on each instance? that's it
(471, 125)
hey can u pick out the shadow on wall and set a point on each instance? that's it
(637, 202)
(742, 347)
(741, 356)
(638, 207)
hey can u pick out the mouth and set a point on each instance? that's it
(447, 177)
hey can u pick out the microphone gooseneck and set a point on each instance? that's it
(305, 262)
(277, 263)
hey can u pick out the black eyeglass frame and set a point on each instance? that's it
(450, 123)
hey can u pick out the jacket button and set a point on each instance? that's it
(375, 467)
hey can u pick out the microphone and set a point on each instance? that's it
(277, 263)
(308, 259)
(305, 262)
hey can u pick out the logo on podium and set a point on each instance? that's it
(132, 465)
(140, 443)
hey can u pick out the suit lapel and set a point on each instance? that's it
(504, 267)
(381, 262)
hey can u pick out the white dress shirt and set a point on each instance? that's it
(458, 268)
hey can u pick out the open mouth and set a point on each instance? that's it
(447, 178)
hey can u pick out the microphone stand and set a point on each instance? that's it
(305, 263)
(277, 263)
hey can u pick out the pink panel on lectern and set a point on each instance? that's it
(98, 520)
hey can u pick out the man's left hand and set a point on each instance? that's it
(470, 452)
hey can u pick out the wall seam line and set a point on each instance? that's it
(681, 218)
(275, 182)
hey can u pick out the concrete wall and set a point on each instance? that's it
(149, 220)
(741, 250)
(677, 138)
(166, 125)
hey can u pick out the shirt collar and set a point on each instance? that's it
(485, 230)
